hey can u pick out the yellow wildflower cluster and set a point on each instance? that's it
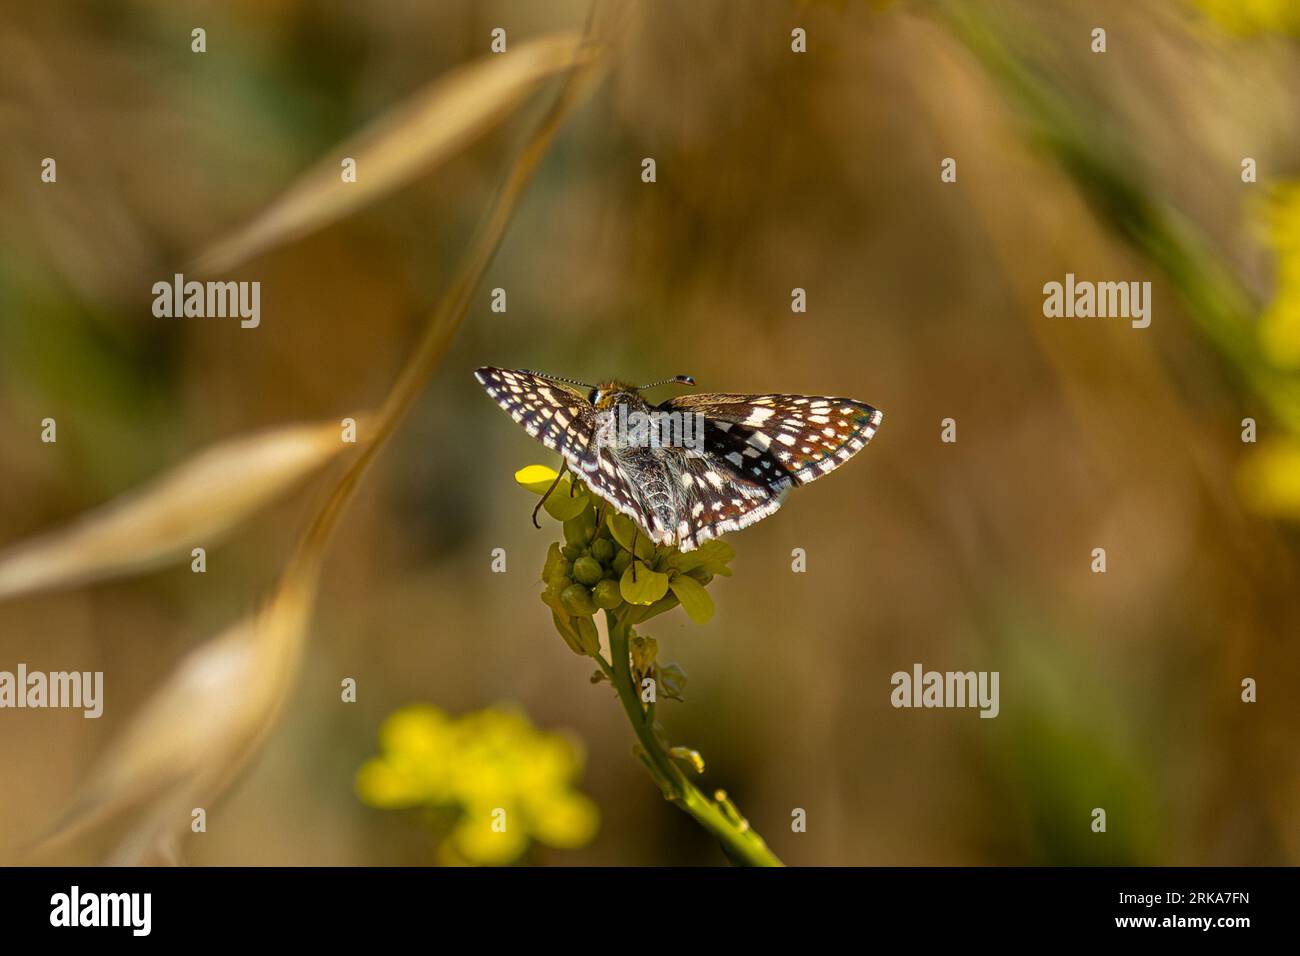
(606, 563)
(498, 781)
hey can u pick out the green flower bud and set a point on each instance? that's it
(588, 637)
(689, 757)
(602, 549)
(621, 561)
(587, 570)
(607, 594)
(577, 601)
(557, 572)
(672, 681)
(571, 551)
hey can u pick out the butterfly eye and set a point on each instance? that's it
(593, 396)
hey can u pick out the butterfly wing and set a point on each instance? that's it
(565, 422)
(716, 500)
(558, 417)
(756, 447)
(782, 439)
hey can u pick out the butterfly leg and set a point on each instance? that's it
(558, 476)
(635, 532)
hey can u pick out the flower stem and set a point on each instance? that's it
(740, 841)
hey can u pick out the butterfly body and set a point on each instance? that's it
(693, 467)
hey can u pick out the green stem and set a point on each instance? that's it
(740, 841)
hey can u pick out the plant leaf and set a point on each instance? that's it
(553, 561)
(564, 625)
(694, 598)
(648, 587)
(561, 506)
(640, 614)
(624, 530)
(564, 503)
(713, 556)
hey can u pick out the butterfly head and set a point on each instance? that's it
(612, 393)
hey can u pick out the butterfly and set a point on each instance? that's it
(695, 466)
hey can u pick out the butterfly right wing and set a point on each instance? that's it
(558, 417)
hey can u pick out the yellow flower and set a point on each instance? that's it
(1279, 326)
(595, 568)
(1249, 17)
(1269, 479)
(502, 782)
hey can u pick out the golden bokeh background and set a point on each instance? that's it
(775, 170)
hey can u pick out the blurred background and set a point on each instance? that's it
(775, 170)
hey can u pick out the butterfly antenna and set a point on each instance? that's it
(553, 378)
(675, 380)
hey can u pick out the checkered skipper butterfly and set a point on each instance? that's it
(691, 468)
